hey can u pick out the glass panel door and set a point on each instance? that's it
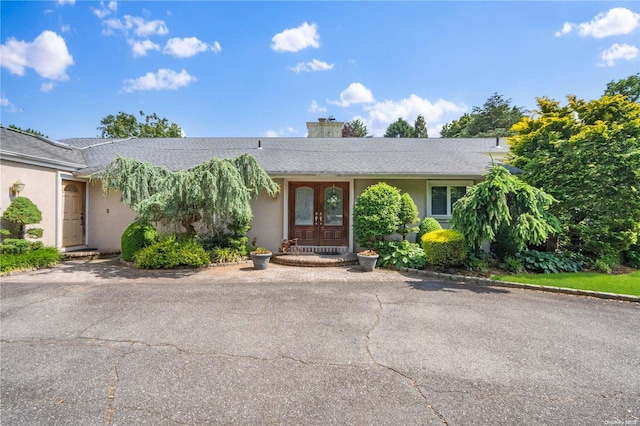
(333, 206)
(304, 206)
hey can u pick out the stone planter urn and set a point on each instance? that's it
(367, 260)
(260, 258)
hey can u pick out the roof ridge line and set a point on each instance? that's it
(107, 142)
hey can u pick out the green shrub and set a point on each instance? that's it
(22, 212)
(408, 215)
(137, 236)
(375, 214)
(428, 224)
(551, 262)
(632, 256)
(41, 257)
(19, 246)
(225, 254)
(172, 253)
(35, 232)
(400, 254)
(444, 248)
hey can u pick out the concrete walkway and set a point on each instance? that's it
(99, 343)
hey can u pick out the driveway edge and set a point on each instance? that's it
(495, 283)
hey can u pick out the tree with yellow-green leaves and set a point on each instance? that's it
(586, 154)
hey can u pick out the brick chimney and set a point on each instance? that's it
(325, 128)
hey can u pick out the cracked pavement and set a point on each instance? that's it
(100, 343)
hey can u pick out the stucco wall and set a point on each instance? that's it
(267, 223)
(40, 187)
(108, 218)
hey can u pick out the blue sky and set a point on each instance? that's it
(265, 68)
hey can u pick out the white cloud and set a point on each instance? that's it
(63, 2)
(314, 107)
(46, 87)
(65, 28)
(296, 39)
(47, 55)
(280, 133)
(189, 46)
(105, 11)
(7, 105)
(616, 21)
(161, 80)
(619, 51)
(381, 114)
(140, 48)
(356, 93)
(140, 26)
(315, 65)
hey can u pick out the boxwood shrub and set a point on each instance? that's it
(172, 253)
(137, 236)
(428, 224)
(444, 248)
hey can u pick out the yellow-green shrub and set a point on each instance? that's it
(444, 248)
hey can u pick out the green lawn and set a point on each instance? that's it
(620, 284)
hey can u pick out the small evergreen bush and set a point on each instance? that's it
(428, 224)
(22, 212)
(408, 215)
(172, 253)
(137, 236)
(444, 248)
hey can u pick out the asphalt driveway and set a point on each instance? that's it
(98, 343)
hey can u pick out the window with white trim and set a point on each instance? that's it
(441, 198)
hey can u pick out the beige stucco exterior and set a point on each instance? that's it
(41, 187)
(108, 218)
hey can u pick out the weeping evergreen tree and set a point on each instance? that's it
(503, 206)
(183, 198)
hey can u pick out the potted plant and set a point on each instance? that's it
(367, 259)
(260, 257)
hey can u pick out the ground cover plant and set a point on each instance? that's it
(620, 284)
(172, 253)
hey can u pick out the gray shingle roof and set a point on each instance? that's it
(17, 145)
(307, 156)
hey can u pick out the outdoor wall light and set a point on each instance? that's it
(17, 187)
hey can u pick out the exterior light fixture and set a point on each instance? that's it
(17, 187)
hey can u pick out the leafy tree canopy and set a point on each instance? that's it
(28, 130)
(629, 87)
(355, 129)
(407, 215)
(494, 118)
(586, 154)
(182, 198)
(127, 125)
(400, 129)
(504, 205)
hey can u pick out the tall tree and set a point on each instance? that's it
(28, 130)
(420, 127)
(182, 198)
(400, 129)
(494, 118)
(629, 87)
(355, 129)
(127, 125)
(587, 156)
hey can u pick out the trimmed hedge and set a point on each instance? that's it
(136, 237)
(444, 248)
(427, 225)
(172, 253)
